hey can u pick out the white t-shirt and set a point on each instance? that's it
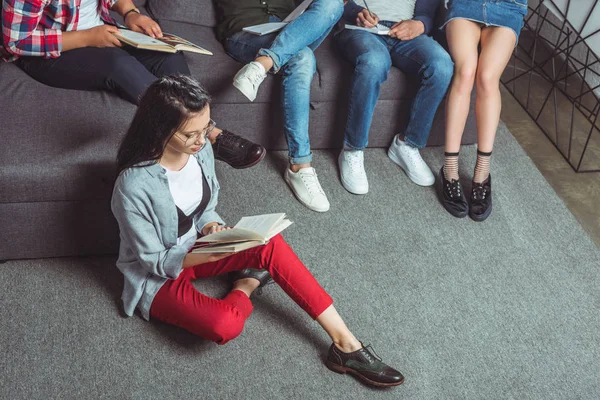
(391, 10)
(185, 186)
(89, 15)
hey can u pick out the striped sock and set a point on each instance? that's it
(451, 166)
(482, 166)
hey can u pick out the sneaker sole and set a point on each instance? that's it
(482, 217)
(344, 370)
(302, 201)
(398, 161)
(349, 187)
(238, 87)
(353, 190)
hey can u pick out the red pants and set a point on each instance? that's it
(179, 303)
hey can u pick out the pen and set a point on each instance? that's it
(366, 5)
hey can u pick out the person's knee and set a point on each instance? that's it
(373, 65)
(464, 76)
(487, 81)
(227, 326)
(441, 70)
(333, 9)
(302, 63)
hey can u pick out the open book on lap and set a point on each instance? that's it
(168, 43)
(247, 233)
(270, 27)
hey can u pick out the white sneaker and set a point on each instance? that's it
(409, 159)
(307, 188)
(249, 78)
(352, 171)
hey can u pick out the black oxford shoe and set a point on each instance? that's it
(481, 200)
(364, 365)
(237, 151)
(453, 197)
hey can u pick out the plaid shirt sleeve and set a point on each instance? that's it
(21, 32)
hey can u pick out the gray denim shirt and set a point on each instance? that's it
(147, 217)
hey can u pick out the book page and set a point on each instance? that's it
(278, 228)
(231, 236)
(182, 44)
(378, 30)
(261, 224)
(299, 10)
(227, 247)
(139, 38)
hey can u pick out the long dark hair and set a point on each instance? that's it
(164, 108)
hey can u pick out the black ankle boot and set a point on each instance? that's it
(237, 151)
(481, 200)
(453, 197)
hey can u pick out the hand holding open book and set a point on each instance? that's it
(247, 233)
(168, 43)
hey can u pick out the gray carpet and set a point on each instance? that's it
(505, 309)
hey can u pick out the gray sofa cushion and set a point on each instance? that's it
(59, 144)
(199, 12)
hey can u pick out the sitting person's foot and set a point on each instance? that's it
(237, 151)
(365, 365)
(352, 171)
(307, 189)
(453, 196)
(409, 159)
(249, 78)
(481, 200)
(261, 275)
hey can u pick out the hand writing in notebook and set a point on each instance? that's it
(367, 19)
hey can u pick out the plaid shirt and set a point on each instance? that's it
(35, 27)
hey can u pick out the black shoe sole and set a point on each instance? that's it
(343, 370)
(454, 214)
(482, 217)
(252, 164)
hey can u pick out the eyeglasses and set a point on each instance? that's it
(190, 139)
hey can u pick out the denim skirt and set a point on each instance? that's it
(506, 13)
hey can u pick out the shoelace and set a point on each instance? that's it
(254, 75)
(370, 354)
(414, 155)
(311, 183)
(453, 188)
(479, 191)
(229, 140)
(355, 161)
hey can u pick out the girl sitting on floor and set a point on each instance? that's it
(165, 195)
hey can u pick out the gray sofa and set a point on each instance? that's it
(57, 147)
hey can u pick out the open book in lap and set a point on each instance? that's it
(270, 27)
(168, 43)
(247, 233)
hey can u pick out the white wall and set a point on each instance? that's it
(576, 14)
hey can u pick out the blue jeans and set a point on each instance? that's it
(291, 50)
(372, 56)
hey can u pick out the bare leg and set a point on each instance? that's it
(337, 330)
(298, 167)
(246, 285)
(265, 61)
(463, 38)
(497, 45)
